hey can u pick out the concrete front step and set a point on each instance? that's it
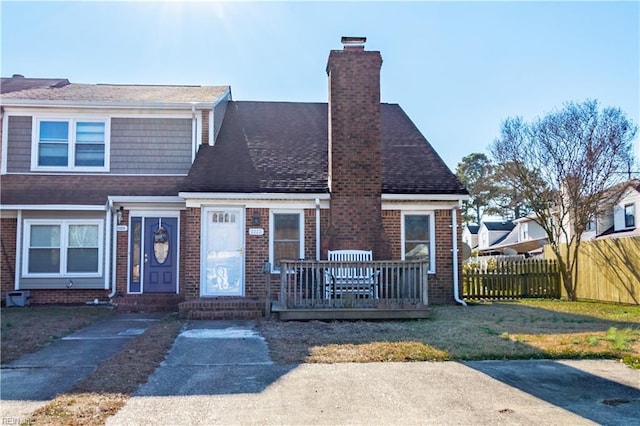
(222, 308)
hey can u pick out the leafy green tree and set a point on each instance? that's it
(475, 173)
(560, 165)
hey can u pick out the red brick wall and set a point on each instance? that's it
(205, 127)
(7, 269)
(190, 253)
(440, 283)
(8, 254)
(257, 253)
(63, 296)
(122, 255)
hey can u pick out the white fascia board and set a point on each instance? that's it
(145, 199)
(257, 199)
(57, 207)
(251, 196)
(424, 197)
(419, 206)
(5, 139)
(104, 105)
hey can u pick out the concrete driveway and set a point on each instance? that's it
(219, 373)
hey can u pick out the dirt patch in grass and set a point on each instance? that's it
(515, 330)
(26, 330)
(102, 393)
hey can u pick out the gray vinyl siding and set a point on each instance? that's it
(79, 282)
(19, 144)
(151, 145)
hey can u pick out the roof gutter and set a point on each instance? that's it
(425, 197)
(97, 104)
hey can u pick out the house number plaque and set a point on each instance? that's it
(256, 231)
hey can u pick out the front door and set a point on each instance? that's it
(223, 256)
(160, 255)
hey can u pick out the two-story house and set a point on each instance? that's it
(526, 237)
(622, 215)
(492, 232)
(122, 192)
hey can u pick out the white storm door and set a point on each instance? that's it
(223, 256)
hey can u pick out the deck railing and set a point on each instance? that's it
(352, 285)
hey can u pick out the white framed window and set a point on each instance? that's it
(286, 237)
(418, 237)
(524, 231)
(70, 144)
(629, 215)
(61, 248)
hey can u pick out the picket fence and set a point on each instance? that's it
(512, 280)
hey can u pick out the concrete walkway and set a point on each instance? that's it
(219, 373)
(32, 380)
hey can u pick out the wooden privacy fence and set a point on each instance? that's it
(512, 280)
(608, 270)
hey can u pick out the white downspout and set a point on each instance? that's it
(317, 228)
(113, 247)
(19, 253)
(454, 250)
(194, 137)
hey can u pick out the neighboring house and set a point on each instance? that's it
(470, 235)
(126, 193)
(527, 237)
(623, 215)
(491, 233)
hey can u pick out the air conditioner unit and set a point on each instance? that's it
(18, 298)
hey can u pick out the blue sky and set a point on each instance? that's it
(457, 68)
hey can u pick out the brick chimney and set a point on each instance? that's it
(355, 150)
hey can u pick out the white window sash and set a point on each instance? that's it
(272, 214)
(432, 236)
(71, 143)
(64, 246)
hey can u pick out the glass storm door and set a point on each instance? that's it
(160, 260)
(223, 263)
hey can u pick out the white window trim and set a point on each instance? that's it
(64, 236)
(632, 208)
(524, 231)
(272, 213)
(432, 236)
(72, 120)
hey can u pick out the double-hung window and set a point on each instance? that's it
(71, 144)
(418, 240)
(58, 248)
(287, 237)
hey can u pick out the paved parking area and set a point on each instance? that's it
(219, 372)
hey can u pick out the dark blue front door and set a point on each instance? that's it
(160, 254)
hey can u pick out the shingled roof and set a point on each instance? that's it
(109, 93)
(41, 189)
(19, 82)
(282, 147)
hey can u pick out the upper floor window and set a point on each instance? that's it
(70, 144)
(287, 237)
(418, 238)
(629, 215)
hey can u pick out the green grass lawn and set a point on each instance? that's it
(510, 330)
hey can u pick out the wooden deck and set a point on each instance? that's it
(318, 290)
